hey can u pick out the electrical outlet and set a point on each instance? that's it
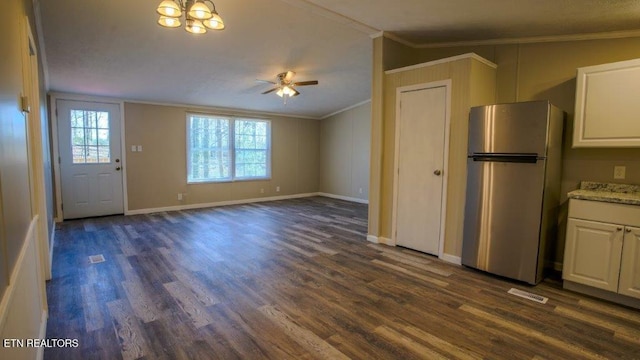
(180, 196)
(133, 148)
(360, 190)
(261, 191)
(139, 148)
(277, 188)
(619, 172)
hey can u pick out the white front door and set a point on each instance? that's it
(420, 168)
(90, 161)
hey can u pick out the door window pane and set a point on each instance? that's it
(90, 137)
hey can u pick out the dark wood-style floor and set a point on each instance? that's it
(296, 279)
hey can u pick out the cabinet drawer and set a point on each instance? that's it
(605, 212)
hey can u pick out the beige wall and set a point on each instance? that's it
(344, 153)
(156, 175)
(541, 71)
(21, 298)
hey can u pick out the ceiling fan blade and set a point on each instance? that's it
(289, 76)
(305, 83)
(270, 90)
(265, 81)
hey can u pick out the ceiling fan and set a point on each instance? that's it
(285, 86)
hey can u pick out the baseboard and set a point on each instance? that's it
(42, 332)
(342, 197)
(451, 259)
(53, 243)
(386, 241)
(218, 203)
(372, 238)
(555, 265)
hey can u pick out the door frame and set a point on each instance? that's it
(54, 96)
(445, 170)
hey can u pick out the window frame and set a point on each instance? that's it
(232, 149)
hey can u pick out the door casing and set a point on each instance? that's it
(445, 169)
(56, 149)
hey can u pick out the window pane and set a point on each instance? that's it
(78, 154)
(77, 136)
(103, 137)
(104, 155)
(91, 119)
(251, 146)
(92, 154)
(103, 120)
(208, 147)
(90, 136)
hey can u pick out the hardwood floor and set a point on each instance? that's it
(296, 279)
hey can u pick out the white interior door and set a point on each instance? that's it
(90, 161)
(420, 168)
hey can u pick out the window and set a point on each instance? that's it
(227, 149)
(90, 137)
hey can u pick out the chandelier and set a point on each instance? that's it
(198, 15)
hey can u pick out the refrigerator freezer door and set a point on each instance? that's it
(502, 218)
(509, 128)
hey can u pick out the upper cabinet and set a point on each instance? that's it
(607, 110)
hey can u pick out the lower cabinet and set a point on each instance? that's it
(592, 253)
(602, 255)
(629, 283)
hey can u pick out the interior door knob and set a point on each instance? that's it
(118, 168)
(437, 172)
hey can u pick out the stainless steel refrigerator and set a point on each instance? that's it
(513, 186)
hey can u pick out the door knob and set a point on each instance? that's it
(437, 172)
(118, 168)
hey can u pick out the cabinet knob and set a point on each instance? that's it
(628, 230)
(619, 228)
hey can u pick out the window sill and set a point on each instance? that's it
(227, 181)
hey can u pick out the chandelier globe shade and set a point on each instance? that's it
(198, 15)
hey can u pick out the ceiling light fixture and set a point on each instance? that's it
(198, 15)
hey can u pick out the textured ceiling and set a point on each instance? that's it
(437, 21)
(114, 47)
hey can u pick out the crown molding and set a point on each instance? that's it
(345, 109)
(445, 60)
(188, 107)
(535, 39)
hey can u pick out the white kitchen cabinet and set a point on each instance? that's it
(602, 249)
(607, 112)
(630, 267)
(592, 253)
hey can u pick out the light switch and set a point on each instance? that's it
(139, 148)
(133, 148)
(619, 172)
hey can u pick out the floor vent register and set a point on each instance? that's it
(94, 259)
(528, 295)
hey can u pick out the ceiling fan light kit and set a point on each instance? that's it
(285, 87)
(198, 15)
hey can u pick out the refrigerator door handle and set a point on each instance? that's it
(514, 157)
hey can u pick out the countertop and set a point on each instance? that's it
(613, 193)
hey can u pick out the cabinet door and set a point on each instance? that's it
(592, 253)
(606, 113)
(630, 267)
